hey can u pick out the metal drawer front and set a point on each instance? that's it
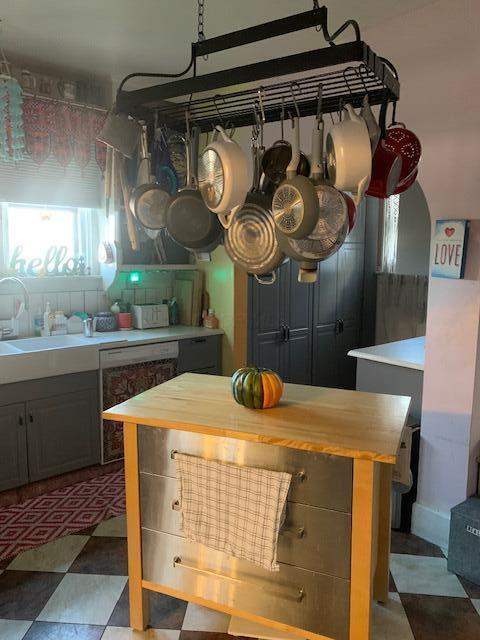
(319, 480)
(312, 538)
(304, 599)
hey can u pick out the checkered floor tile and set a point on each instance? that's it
(75, 587)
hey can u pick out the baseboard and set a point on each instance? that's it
(431, 525)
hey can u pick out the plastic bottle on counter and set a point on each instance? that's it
(60, 323)
(38, 323)
(210, 321)
(173, 311)
(48, 320)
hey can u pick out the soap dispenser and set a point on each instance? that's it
(48, 320)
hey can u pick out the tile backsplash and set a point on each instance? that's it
(66, 293)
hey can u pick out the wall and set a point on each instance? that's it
(414, 231)
(219, 283)
(437, 54)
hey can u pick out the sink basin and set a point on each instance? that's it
(7, 349)
(49, 342)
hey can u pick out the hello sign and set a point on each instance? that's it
(449, 248)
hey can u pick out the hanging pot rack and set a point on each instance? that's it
(346, 71)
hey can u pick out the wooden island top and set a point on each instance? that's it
(345, 423)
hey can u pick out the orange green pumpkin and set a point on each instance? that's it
(256, 387)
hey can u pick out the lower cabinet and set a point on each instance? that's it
(48, 427)
(13, 446)
(59, 433)
(200, 355)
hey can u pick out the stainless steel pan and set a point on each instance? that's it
(250, 241)
(189, 221)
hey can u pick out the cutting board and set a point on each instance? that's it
(196, 279)
(184, 296)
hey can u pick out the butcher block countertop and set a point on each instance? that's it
(352, 424)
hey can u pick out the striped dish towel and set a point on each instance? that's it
(231, 508)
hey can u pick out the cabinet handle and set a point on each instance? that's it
(30, 417)
(284, 333)
(199, 340)
(288, 334)
(297, 532)
(20, 421)
(297, 593)
(339, 326)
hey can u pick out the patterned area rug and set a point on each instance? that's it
(61, 512)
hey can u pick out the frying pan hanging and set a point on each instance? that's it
(295, 203)
(250, 241)
(148, 201)
(189, 221)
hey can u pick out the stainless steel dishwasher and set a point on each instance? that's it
(125, 372)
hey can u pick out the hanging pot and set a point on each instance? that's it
(307, 267)
(349, 154)
(250, 241)
(276, 159)
(188, 219)
(352, 211)
(386, 164)
(149, 202)
(374, 130)
(223, 175)
(295, 203)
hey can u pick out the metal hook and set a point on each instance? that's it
(282, 117)
(261, 95)
(319, 102)
(360, 71)
(346, 80)
(220, 117)
(292, 84)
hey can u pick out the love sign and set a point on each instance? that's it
(449, 248)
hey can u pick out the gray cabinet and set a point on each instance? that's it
(47, 427)
(280, 325)
(13, 446)
(200, 355)
(304, 332)
(59, 433)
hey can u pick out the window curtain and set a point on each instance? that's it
(63, 164)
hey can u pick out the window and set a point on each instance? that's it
(40, 231)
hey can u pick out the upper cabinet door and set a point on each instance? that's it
(350, 283)
(13, 446)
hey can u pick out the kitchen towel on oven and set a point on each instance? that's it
(231, 508)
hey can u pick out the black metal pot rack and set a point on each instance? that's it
(348, 72)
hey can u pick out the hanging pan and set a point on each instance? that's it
(223, 176)
(295, 203)
(276, 159)
(188, 219)
(148, 201)
(250, 241)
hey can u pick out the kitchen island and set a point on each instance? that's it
(333, 550)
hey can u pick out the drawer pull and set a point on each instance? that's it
(298, 532)
(173, 453)
(176, 505)
(297, 594)
(301, 476)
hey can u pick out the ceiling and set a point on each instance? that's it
(116, 37)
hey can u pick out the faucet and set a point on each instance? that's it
(26, 298)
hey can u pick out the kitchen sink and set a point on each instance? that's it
(7, 349)
(49, 342)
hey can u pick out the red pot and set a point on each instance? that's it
(352, 211)
(386, 171)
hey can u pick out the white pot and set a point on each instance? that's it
(223, 175)
(349, 153)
